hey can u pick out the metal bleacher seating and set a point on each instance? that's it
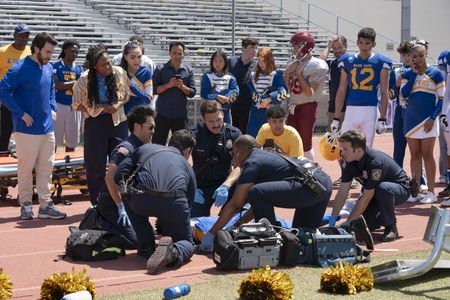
(203, 25)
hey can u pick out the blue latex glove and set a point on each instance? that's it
(332, 221)
(207, 243)
(221, 195)
(198, 198)
(123, 216)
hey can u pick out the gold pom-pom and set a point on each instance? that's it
(261, 284)
(58, 285)
(5, 286)
(345, 278)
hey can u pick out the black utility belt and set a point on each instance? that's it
(165, 194)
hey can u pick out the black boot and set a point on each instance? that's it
(390, 233)
(164, 255)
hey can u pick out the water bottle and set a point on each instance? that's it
(83, 295)
(176, 291)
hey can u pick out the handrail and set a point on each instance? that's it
(338, 18)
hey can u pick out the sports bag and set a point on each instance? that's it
(93, 245)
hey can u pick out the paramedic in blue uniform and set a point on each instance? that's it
(266, 181)
(385, 185)
(211, 157)
(141, 123)
(163, 187)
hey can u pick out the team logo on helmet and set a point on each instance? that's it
(305, 43)
(329, 147)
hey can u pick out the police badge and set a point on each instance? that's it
(376, 174)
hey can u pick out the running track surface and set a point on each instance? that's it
(28, 249)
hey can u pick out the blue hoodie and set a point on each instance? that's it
(29, 88)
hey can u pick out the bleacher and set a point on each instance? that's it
(203, 25)
(64, 19)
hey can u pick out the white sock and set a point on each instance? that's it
(310, 154)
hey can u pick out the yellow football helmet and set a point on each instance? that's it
(329, 146)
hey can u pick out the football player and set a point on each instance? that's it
(362, 75)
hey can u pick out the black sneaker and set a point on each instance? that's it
(362, 232)
(445, 193)
(390, 233)
(165, 254)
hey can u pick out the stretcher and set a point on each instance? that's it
(69, 173)
(437, 233)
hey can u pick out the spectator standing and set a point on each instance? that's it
(65, 74)
(9, 55)
(305, 77)
(173, 82)
(218, 85)
(28, 91)
(101, 93)
(240, 67)
(140, 76)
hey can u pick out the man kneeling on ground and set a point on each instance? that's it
(385, 185)
(269, 180)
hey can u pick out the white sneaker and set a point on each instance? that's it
(423, 188)
(443, 179)
(446, 203)
(429, 198)
(412, 199)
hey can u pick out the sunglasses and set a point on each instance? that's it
(151, 126)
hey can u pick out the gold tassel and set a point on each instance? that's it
(345, 278)
(6, 286)
(58, 285)
(261, 284)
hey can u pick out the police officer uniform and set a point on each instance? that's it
(161, 184)
(276, 184)
(211, 158)
(376, 170)
(106, 206)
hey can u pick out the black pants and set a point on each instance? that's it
(164, 125)
(240, 119)
(309, 207)
(381, 209)
(173, 219)
(100, 139)
(6, 128)
(107, 208)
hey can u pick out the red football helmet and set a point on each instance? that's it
(305, 43)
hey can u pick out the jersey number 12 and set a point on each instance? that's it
(363, 85)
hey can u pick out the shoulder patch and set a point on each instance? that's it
(376, 174)
(123, 150)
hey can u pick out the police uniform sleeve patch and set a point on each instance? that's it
(376, 174)
(123, 150)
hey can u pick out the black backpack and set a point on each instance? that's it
(93, 245)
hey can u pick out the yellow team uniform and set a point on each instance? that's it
(9, 56)
(289, 141)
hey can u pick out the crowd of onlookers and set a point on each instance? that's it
(48, 105)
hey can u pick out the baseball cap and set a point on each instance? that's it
(22, 28)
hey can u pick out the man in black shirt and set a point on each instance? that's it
(211, 157)
(158, 181)
(241, 67)
(268, 180)
(385, 184)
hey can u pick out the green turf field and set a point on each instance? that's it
(306, 280)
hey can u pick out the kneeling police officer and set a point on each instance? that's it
(158, 181)
(385, 185)
(141, 123)
(211, 159)
(269, 180)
